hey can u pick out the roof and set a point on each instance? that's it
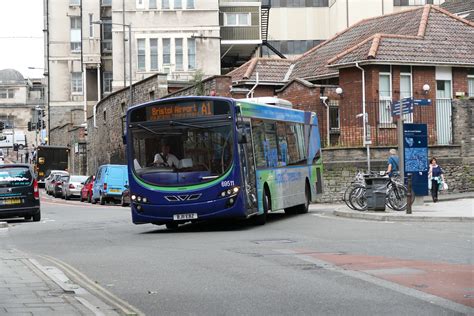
(424, 35)
(8, 76)
(463, 8)
(268, 69)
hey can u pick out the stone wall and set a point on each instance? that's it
(73, 137)
(216, 85)
(104, 141)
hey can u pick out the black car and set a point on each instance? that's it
(19, 194)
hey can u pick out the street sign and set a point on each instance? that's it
(422, 102)
(404, 106)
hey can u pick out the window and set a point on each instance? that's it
(141, 54)
(91, 26)
(416, 2)
(75, 34)
(470, 82)
(334, 123)
(385, 95)
(237, 19)
(152, 4)
(7, 94)
(107, 37)
(105, 116)
(178, 42)
(76, 82)
(74, 2)
(177, 4)
(106, 3)
(107, 81)
(140, 4)
(166, 51)
(443, 89)
(165, 4)
(189, 4)
(191, 53)
(153, 54)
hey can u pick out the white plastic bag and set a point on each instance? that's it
(445, 186)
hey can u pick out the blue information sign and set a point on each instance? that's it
(421, 102)
(404, 105)
(415, 149)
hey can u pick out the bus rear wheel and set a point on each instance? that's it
(304, 208)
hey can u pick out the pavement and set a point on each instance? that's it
(46, 286)
(454, 207)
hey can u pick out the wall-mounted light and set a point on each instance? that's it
(339, 91)
(426, 88)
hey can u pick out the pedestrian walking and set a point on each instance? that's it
(436, 176)
(393, 163)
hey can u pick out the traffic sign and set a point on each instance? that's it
(404, 105)
(421, 102)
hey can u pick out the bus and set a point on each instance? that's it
(47, 158)
(236, 159)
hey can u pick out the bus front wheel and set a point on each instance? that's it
(262, 218)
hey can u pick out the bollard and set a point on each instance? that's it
(409, 196)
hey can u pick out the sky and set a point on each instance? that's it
(21, 36)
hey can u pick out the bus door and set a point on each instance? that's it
(247, 163)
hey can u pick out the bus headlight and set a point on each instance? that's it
(133, 197)
(230, 192)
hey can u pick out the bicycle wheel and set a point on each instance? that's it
(347, 195)
(358, 198)
(397, 197)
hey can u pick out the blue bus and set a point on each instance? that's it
(228, 158)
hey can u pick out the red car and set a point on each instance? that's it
(86, 191)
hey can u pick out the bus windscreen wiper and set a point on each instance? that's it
(156, 133)
(174, 123)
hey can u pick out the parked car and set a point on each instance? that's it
(125, 200)
(109, 183)
(73, 186)
(86, 191)
(19, 194)
(48, 186)
(58, 185)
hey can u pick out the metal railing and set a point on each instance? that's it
(346, 123)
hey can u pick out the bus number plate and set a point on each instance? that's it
(180, 217)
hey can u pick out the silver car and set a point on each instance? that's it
(72, 187)
(48, 185)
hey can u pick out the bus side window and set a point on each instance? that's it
(291, 139)
(259, 141)
(282, 144)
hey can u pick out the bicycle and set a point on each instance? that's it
(396, 194)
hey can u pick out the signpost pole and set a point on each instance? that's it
(400, 142)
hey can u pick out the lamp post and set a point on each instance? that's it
(100, 22)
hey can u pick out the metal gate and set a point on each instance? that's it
(443, 121)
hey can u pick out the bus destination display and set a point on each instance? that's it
(180, 110)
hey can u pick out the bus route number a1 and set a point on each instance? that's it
(229, 183)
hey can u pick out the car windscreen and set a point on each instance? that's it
(15, 177)
(78, 179)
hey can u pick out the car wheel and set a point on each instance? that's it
(81, 199)
(93, 201)
(21, 147)
(27, 218)
(102, 200)
(66, 197)
(122, 202)
(37, 217)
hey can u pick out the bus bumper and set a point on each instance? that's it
(162, 214)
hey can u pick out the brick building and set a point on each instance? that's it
(423, 53)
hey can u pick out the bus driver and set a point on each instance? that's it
(165, 158)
